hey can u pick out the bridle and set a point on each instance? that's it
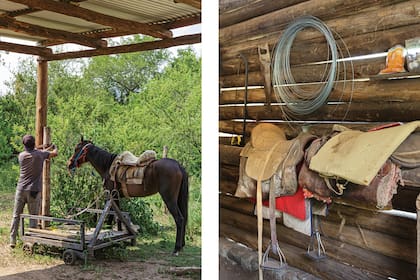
(80, 158)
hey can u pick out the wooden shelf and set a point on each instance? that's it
(395, 76)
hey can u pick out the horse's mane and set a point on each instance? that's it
(103, 157)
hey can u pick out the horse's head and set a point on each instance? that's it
(79, 155)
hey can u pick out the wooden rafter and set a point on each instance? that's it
(91, 16)
(145, 46)
(193, 3)
(18, 48)
(196, 19)
(9, 23)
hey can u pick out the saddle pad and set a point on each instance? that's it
(358, 156)
(265, 151)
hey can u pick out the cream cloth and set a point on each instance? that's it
(357, 156)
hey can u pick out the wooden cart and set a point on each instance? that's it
(72, 235)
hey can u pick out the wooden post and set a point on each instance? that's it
(418, 236)
(41, 101)
(165, 152)
(46, 179)
(41, 108)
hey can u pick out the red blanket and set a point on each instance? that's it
(291, 204)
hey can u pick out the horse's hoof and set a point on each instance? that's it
(175, 253)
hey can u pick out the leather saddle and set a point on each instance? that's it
(377, 195)
(271, 158)
(128, 169)
(357, 156)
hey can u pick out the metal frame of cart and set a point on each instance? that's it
(80, 246)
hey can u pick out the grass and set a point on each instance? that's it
(151, 249)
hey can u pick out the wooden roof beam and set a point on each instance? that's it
(35, 30)
(145, 46)
(92, 16)
(19, 48)
(196, 19)
(193, 3)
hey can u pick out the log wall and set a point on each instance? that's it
(360, 244)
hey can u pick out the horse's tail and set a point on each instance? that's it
(183, 196)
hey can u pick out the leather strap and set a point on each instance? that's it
(259, 209)
(273, 228)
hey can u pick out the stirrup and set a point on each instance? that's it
(316, 249)
(273, 264)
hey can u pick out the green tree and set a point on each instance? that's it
(124, 74)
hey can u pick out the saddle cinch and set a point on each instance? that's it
(127, 169)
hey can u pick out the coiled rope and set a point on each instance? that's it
(299, 101)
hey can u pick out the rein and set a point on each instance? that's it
(80, 155)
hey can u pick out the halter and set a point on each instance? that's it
(81, 155)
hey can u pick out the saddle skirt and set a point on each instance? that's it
(128, 169)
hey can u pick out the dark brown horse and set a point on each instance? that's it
(164, 176)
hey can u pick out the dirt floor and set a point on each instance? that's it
(16, 265)
(229, 270)
(13, 268)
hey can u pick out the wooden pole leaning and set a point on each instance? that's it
(46, 181)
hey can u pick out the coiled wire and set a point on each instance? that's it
(299, 101)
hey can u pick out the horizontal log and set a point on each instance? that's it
(361, 22)
(229, 173)
(306, 72)
(357, 112)
(229, 154)
(291, 130)
(403, 200)
(228, 187)
(382, 243)
(225, 140)
(369, 41)
(231, 12)
(325, 269)
(382, 222)
(400, 90)
(336, 250)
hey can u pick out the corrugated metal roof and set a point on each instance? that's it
(143, 11)
(146, 11)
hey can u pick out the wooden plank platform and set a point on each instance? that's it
(72, 234)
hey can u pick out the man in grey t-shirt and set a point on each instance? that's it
(29, 186)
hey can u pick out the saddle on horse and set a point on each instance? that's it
(128, 169)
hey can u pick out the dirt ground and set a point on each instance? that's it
(13, 269)
(15, 265)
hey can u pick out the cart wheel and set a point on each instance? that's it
(69, 257)
(133, 242)
(28, 248)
